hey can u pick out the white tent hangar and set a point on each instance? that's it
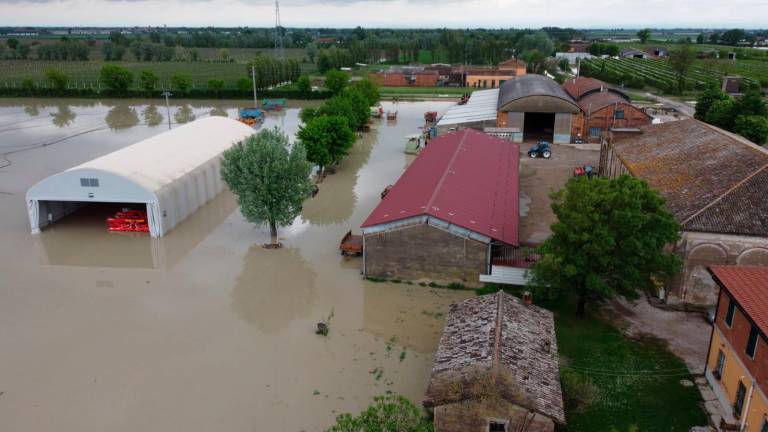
(173, 174)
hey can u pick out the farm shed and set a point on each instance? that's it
(170, 175)
(714, 183)
(450, 214)
(539, 107)
(478, 113)
(496, 368)
(633, 53)
(606, 111)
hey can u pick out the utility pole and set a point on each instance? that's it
(253, 79)
(279, 49)
(168, 94)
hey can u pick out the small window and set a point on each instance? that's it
(752, 342)
(595, 131)
(720, 365)
(495, 426)
(764, 427)
(738, 404)
(89, 182)
(619, 114)
(731, 312)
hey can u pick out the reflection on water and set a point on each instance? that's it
(121, 116)
(274, 288)
(218, 111)
(152, 116)
(63, 117)
(184, 114)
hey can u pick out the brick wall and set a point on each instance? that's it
(737, 336)
(473, 416)
(424, 252)
(400, 80)
(603, 119)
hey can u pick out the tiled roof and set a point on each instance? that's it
(466, 178)
(576, 87)
(500, 335)
(695, 167)
(749, 287)
(595, 101)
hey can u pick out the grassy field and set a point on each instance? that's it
(12, 72)
(612, 383)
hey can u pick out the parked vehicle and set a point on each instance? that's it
(274, 104)
(540, 149)
(391, 115)
(251, 116)
(128, 220)
(430, 116)
(586, 170)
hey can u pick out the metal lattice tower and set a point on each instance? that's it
(279, 48)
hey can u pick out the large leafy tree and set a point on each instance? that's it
(270, 178)
(644, 35)
(705, 101)
(681, 60)
(336, 81)
(609, 239)
(388, 413)
(752, 127)
(327, 139)
(116, 78)
(369, 90)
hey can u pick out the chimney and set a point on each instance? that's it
(527, 298)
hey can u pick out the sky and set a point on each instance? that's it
(390, 13)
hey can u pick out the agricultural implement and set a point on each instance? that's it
(377, 113)
(391, 115)
(128, 221)
(274, 104)
(413, 144)
(586, 170)
(464, 99)
(430, 116)
(351, 245)
(251, 116)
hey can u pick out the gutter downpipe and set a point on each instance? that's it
(746, 408)
(364, 275)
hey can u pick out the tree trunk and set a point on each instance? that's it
(320, 173)
(580, 306)
(273, 232)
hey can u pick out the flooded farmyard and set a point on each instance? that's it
(202, 329)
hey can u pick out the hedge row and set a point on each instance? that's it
(190, 94)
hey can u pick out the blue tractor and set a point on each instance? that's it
(540, 149)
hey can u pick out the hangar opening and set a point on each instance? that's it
(169, 176)
(538, 107)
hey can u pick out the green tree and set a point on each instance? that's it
(270, 178)
(608, 240)
(644, 35)
(12, 43)
(752, 103)
(311, 50)
(217, 85)
(721, 114)
(28, 85)
(115, 78)
(244, 85)
(148, 81)
(307, 114)
(57, 79)
(700, 38)
(705, 101)
(612, 50)
(368, 89)
(336, 81)
(752, 127)
(181, 82)
(681, 60)
(304, 85)
(538, 41)
(388, 413)
(327, 139)
(535, 60)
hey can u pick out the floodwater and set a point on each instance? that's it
(203, 329)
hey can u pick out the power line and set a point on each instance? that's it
(279, 48)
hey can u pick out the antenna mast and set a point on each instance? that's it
(279, 49)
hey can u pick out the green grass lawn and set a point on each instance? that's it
(631, 384)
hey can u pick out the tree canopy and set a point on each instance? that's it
(327, 139)
(116, 78)
(608, 240)
(388, 413)
(747, 115)
(336, 81)
(681, 60)
(270, 178)
(644, 35)
(148, 80)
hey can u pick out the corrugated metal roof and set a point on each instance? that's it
(480, 107)
(466, 178)
(749, 287)
(532, 85)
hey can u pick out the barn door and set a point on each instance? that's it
(562, 131)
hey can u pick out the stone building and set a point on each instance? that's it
(496, 368)
(715, 183)
(737, 363)
(449, 214)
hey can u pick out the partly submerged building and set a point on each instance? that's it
(450, 215)
(496, 368)
(170, 175)
(715, 183)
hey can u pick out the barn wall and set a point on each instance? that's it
(424, 252)
(603, 119)
(473, 416)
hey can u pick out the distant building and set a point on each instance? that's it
(407, 76)
(732, 84)
(658, 52)
(737, 363)
(714, 183)
(496, 368)
(494, 77)
(573, 57)
(633, 53)
(578, 46)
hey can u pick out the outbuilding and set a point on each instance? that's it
(450, 215)
(170, 175)
(538, 107)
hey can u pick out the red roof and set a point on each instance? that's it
(466, 178)
(577, 87)
(749, 287)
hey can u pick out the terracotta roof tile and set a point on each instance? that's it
(749, 287)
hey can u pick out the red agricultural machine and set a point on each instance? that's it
(128, 221)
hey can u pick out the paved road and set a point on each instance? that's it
(681, 107)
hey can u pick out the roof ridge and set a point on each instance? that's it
(448, 167)
(725, 194)
(496, 361)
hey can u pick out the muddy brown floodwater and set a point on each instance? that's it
(201, 330)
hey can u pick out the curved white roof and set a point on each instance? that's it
(166, 157)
